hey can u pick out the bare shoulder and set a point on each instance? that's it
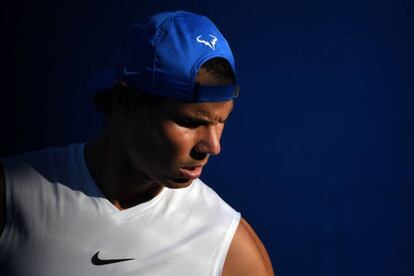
(2, 199)
(247, 254)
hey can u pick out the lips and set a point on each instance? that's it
(192, 172)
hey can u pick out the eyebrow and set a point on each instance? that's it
(198, 119)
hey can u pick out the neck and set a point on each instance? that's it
(121, 184)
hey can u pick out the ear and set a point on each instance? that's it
(123, 100)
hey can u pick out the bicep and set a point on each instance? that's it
(247, 254)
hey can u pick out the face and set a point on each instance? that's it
(171, 143)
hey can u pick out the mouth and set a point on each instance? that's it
(191, 172)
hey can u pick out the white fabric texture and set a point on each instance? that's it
(57, 219)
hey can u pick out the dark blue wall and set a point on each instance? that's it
(318, 155)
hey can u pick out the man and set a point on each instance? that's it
(130, 202)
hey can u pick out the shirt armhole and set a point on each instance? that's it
(226, 244)
(8, 204)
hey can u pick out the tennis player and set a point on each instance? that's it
(130, 201)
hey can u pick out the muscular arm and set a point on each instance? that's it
(247, 255)
(2, 199)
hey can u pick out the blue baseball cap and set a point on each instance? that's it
(163, 54)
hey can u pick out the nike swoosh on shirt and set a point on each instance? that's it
(97, 261)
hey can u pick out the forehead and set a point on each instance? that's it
(210, 110)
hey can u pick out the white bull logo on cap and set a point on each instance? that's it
(211, 43)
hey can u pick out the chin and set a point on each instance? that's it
(177, 183)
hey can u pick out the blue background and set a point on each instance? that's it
(318, 155)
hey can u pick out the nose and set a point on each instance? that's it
(209, 140)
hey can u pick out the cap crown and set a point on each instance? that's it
(163, 54)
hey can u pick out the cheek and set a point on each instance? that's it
(180, 140)
(146, 142)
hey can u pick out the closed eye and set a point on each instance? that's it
(190, 123)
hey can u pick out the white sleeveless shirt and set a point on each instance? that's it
(59, 223)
